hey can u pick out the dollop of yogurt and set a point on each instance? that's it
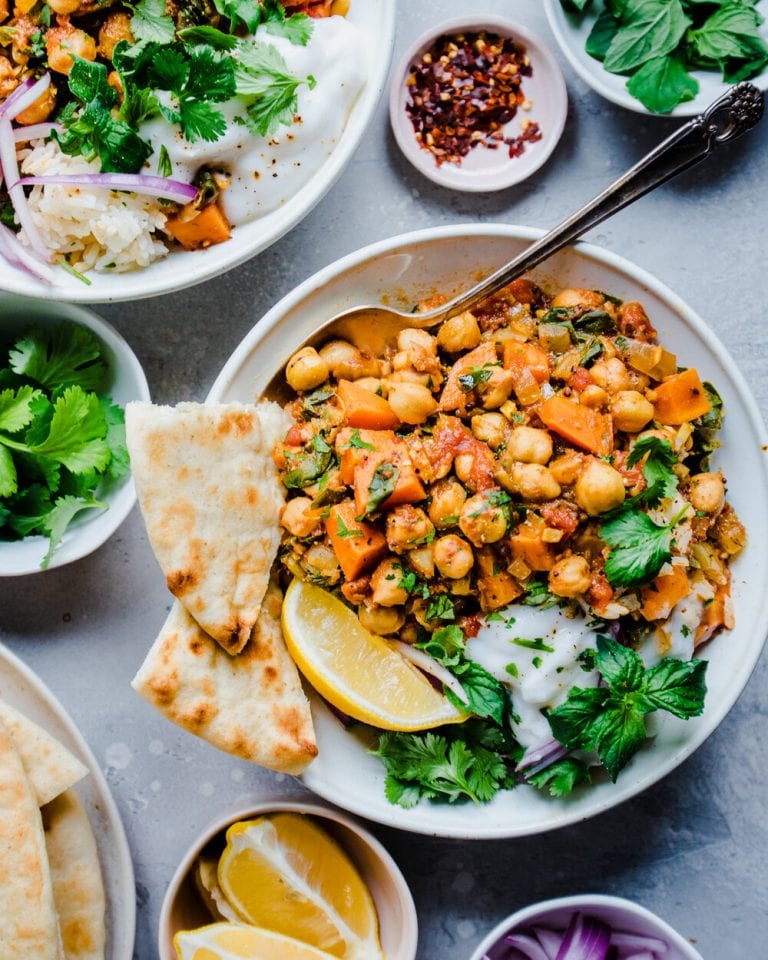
(266, 173)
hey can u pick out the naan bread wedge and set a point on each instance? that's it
(251, 705)
(29, 929)
(211, 498)
(50, 767)
(78, 890)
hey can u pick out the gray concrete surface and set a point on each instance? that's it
(695, 846)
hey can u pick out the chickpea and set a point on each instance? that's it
(40, 110)
(707, 492)
(63, 44)
(411, 402)
(448, 498)
(482, 521)
(8, 79)
(371, 383)
(497, 388)
(298, 517)
(346, 362)
(599, 488)
(453, 557)
(381, 620)
(570, 577)
(412, 340)
(306, 369)
(567, 468)
(422, 560)
(4, 11)
(406, 526)
(412, 376)
(491, 428)
(459, 333)
(577, 297)
(463, 464)
(631, 411)
(321, 560)
(534, 481)
(611, 375)
(65, 7)
(385, 581)
(593, 396)
(115, 28)
(529, 445)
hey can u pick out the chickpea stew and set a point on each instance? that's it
(541, 453)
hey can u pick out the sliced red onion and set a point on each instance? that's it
(429, 665)
(10, 168)
(18, 256)
(638, 942)
(586, 938)
(541, 756)
(644, 955)
(528, 946)
(160, 187)
(28, 92)
(549, 940)
(35, 131)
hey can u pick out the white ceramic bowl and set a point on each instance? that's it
(449, 259)
(398, 926)
(619, 913)
(376, 21)
(91, 528)
(483, 170)
(571, 34)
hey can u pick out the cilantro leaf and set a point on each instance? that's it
(8, 476)
(446, 645)
(297, 28)
(247, 12)
(641, 548)
(151, 23)
(61, 356)
(16, 408)
(537, 594)
(211, 76)
(210, 35)
(262, 76)
(77, 431)
(441, 608)
(562, 777)
(201, 121)
(119, 465)
(59, 518)
(661, 480)
(169, 71)
(358, 443)
(139, 104)
(94, 133)
(381, 487)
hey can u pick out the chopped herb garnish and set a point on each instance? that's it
(537, 644)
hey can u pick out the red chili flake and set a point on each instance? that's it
(464, 91)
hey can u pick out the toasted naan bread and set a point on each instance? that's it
(251, 705)
(78, 891)
(211, 498)
(29, 929)
(50, 767)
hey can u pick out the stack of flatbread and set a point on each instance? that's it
(211, 498)
(51, 893)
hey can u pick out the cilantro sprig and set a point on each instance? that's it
(640, 546)
(60, 437)
(611, 719)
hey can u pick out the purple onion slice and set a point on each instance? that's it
(637, 942)
(161, 187)
(10, 169)
(35, 131)
(586, 938)
(12, 250)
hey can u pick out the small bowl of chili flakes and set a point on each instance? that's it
(478, 105)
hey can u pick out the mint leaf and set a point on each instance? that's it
(562, 777)
(601, 35)
(619, 666)
(17, 408)
(662, 83)
(61, 356)
(617, 734)
(486, 697)
(88, 80)
(571, 722)
(650, 28)
(151, 23)
(677, 686)
(731, 33)
(446, 645)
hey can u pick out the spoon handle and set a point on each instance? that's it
(735, 112)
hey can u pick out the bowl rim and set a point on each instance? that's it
(125, 358)
(194, 272)
(557, 19)
(584, 901)
(717, 712)
(257, 806)
(403, 134)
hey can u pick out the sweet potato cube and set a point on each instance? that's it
(681, 398)
(579, 425)
(358, 546)
(208, 227)
(364, 408)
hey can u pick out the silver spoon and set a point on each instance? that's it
(731, 115)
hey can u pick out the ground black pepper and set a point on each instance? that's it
(463, 92)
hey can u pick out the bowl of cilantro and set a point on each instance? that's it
(663, 56)
(65, 486)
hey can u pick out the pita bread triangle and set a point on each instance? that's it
(211, 498)
(251, 704)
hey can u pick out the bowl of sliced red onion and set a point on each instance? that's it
(585, 927)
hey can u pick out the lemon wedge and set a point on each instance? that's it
(358, 672)
(284, 873)
(226, 941)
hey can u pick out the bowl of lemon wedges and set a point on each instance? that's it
(287, 881)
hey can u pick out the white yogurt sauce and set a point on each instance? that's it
(267, 173)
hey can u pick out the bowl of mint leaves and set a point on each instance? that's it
(667, 57)
(65, 486)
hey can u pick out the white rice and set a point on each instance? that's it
(103, 230)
